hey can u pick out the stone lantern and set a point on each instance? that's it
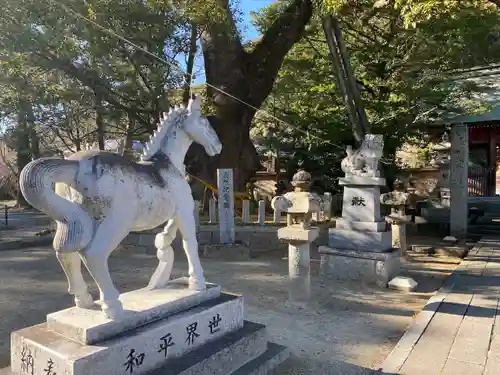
(299, 206)
(397, 200)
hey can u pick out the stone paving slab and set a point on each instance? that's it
(458, 332)
(455, 367)
(439, 336)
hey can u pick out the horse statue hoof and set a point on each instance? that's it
(85, 301)
(198, 285)
(113, 310)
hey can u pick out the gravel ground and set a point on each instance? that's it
(346, 328)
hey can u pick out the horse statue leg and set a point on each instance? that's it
(185, 221)
(111, 231)
(71, 263)
(165, 255)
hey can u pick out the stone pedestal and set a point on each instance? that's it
(245, 212)
(371, 267)
(399, 236)
(360, 247)
(261, 214)
(188, 333)
(299, 259)
(397, 200)
(327, 206)
(212, 211)
(361, 227)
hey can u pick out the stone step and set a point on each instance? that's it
(483, 230)
(237, 353)
(486, 225)
(138, 351)
(441, 250)
(451, 251)
(243, 352)
(266, 362)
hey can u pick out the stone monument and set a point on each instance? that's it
(182, 326)
(442, 161)
(360, 247)
(437, 209)
(226, 205)
(299, 205)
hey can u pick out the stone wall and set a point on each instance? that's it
(259, 238)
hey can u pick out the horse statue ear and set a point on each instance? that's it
(194, 104)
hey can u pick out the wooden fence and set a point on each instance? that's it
(255, 212)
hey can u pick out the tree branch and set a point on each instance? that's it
(313, 47)
(91, 80)
(221, 45)
(137, 69)
(267, 56)
(353, 30)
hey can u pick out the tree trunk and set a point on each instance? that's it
(33, 135)
(23, 148)
(238, 151)
(78, 140)
(127, 147)
(242, 81)
(188, 77)
(99, 120)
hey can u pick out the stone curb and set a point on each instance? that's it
(396, 359)
(26, 242)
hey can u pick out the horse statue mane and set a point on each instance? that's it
(170, 122)
(92, 219)
(155, 140)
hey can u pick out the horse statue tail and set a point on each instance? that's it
(75, 228)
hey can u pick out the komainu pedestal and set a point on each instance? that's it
(170, 331)
(360, 247)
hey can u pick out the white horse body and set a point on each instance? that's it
(100, 197)
(112, 185)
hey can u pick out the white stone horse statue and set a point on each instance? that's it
(100, 197)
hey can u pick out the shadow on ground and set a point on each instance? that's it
(346, 327)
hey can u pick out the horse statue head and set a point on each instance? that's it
(178, 129)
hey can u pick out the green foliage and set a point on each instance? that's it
(416, 11)
(412, 12)
(403, 74)
(129, 80)
(414, 154)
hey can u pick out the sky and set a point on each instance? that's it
(248, 6)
